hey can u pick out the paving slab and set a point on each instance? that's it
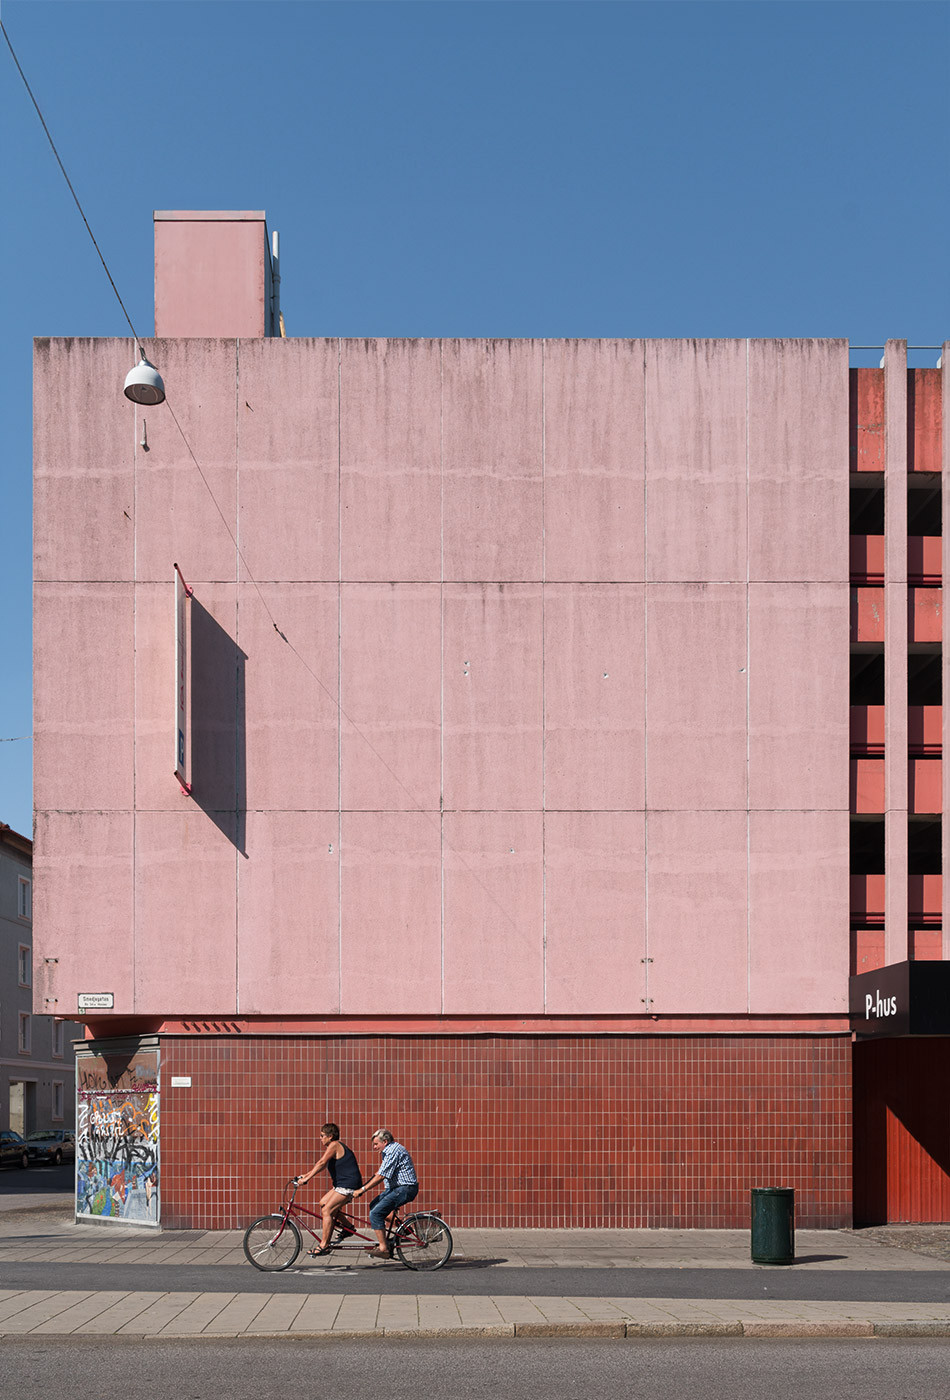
(200, 1312)
(30, 1318)
(75, 1318)
(478, 1312)
(19, 1300)
(162, 1308)
(437, 1312)
(113, 1319)
(277, 1314)
(359, 1312)
(318, 1313)
(235, 1317)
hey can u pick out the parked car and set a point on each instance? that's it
(51, 1145)
(13, 1150)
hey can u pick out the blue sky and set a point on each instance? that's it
(502, 169)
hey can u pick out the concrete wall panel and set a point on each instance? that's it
(82, 709)
(493, 914)
(593, 697)
(185, 880)
(798, 477)
(156, 786)
(218, 725)
(697, 933)
(391, 697)
(492, 685)
(798, 912)
(593, 460)
(390, 459)
(288, 443)
(392, 913)
(594, 920)
(82, 873)
(696, 697)
(289, 915)
(492, 459)
(292, 695)
(176, 519)
(84, 436)
(798, 695)
(696, 460)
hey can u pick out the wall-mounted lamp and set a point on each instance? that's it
(143, 384)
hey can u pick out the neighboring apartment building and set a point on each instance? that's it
(37, 1065)
(521, 683)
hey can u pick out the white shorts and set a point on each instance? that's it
(344, 1190)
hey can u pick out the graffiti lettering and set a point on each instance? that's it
(120, 1127)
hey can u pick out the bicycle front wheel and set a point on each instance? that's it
(271, 1243)
(423, 1242)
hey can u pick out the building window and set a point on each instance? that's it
(58, 1039)
(24, 905)
(57, 1098)
(25, 1041)
(25, 965)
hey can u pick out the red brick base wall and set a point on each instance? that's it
(519, 1131)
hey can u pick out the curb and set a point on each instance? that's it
(564, 1330)
(809, 1329)
(912, 1329)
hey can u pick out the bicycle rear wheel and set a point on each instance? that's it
(423, 1241)
(268, 1246)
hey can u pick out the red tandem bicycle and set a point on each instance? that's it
(420, 1241)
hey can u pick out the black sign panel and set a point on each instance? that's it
(908, 998)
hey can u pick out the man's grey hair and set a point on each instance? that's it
(383, 1135)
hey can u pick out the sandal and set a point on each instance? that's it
(324, 1249)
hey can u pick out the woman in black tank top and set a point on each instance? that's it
(344, 1170)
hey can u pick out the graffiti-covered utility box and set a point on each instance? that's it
(117, 1132)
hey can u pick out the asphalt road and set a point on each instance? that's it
(480, 1277)
(657, 1369)
(39, 1179)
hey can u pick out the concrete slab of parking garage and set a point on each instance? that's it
(891, 1281)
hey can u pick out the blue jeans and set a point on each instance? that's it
(385, 1204)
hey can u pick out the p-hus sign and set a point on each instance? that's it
(182, 737)
(908, 998)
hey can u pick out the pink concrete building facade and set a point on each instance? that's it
(520, 715)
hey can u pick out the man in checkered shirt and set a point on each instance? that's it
(398, 1175)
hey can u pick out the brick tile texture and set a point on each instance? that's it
(530, 1131)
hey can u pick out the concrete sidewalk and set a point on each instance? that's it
(47, 1237)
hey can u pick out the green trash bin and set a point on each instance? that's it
(773, 1225)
